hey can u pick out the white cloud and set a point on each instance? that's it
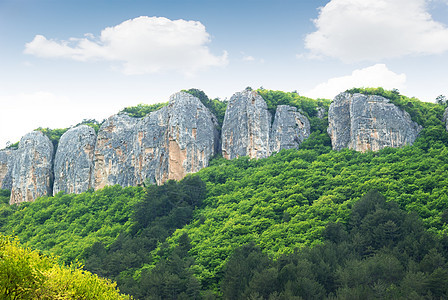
(374, 76)
(353, 30)
(248, 58)
(142, 45)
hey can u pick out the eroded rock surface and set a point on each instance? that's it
(166, 144)
(32, 168)
(246, 126)
(289, 130)
(193, 137)
(151, 151)
(113, 153)
(73, 163)
(6, 163)
(364, 123)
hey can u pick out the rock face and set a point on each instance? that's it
(73, 163)
(151, 151)
(32, 168)
(193, 137)
(246, 126)
(166, 144)
(6, 163)
(113, 153)
(364, 123)
(289, 130)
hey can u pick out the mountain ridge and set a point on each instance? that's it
(181, 138)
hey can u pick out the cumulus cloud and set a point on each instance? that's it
(368, 30)
(374, 76)
(142, 45)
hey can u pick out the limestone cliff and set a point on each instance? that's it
(182, 137)
(193, 137)
(364, 123)
(166, 144)
(6, 163)
(73, 163)
(246, 126)
(32, 168)
(113, 153)
(289, 130)
(151, 151)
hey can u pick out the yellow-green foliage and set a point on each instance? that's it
(26, 274)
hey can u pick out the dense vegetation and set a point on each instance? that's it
(67, 224)
(288, 226)
(141, 110)
(381, 253)
(26, 274)
(162, 210)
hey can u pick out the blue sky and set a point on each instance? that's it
(65, 61)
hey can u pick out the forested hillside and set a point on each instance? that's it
(305, 223)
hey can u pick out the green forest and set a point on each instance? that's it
(307, 223)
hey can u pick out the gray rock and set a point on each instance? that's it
(166, 144)
(246, 126)
(193, 137)
(289, 130)
(339, 122)
(364, 123)
(445, 118)
(151, 151)
(73, 163)
(6, 163)
(32, 168)
(113, 152)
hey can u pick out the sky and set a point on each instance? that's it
(65, 61)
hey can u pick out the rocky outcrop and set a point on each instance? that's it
(193, 137)
(151, 151)
(166, 144)
(339, 122)
(246, 126)
(32, 168)
(247, 129)
(289, 130)
(73, 163)
(114, 149)
(6, 163)
(364, 123)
